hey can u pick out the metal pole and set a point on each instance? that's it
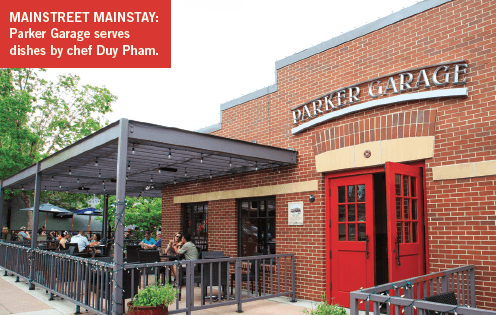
(1, 206)
(36, 217)
(105, 221)
(117, 301)
(238, 279)
(293, 285)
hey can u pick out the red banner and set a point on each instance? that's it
(89, 34)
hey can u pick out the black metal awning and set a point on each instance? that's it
(156, 156)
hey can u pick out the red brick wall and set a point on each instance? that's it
(461, 213)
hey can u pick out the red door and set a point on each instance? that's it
(351, 235)
(405, 223)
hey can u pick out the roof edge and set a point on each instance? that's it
(361, 31)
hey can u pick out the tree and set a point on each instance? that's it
(145, 213)
(40, 117)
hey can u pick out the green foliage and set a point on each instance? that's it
(143, 212)
(156, 294)
(326, 309)
(39, 117)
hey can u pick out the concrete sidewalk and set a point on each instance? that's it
(16, 298)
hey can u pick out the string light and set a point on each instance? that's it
(96, 162)
(279, 170)
(159, 170)
(78, 180)
(99, 173)
(210, 174)
(170, 153)
(52, 177)
(22, 187)
(151, 178)
(60, 184)
(201, 157)
(70, 171)
(185, 173)
(132, 151)
(230, 162)
(256, 166)
(128, 165)
(175, 181)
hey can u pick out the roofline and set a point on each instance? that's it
(333, 42)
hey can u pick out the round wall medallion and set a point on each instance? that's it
(367, 154)
(311, 198)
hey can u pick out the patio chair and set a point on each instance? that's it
(252, 278)
(74, 250)
(132, 253)
(148, 256)
(443, 298)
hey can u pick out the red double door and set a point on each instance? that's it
(351, 235)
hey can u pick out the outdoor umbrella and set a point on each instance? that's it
(90, 212)
(48, 208)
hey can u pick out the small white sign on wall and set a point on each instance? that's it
(295, 213)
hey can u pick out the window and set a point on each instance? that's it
(195, 222)
(257, 226)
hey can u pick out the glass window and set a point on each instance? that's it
(195, 222)
(257, 234)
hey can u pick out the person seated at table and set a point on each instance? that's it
(158, 244)
(24, 234)
(174, 244)
(64, 240)
(95, 241)
(41, 231)
(128, 235)
(83, 243)
(59, 237)
(147, 240)
(188, 249)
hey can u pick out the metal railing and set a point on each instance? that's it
(406, 296)
(89, 283)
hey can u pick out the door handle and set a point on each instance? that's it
(367, 246)
(398, 237)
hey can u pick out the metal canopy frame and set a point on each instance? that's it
(157, 156)
(130, 158)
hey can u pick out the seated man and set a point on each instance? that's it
(147, 240)
(157, 245)
(188, 249)
(24, 234)
(83, 243)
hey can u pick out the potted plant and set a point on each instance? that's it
(326, 309)
(153, 300)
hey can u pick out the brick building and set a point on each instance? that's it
(394, 124)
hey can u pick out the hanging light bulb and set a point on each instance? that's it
(185, 173)
(128, 165)
(22, 187)
(78, 180)
(196, 183)
(210, 174)
(99, 173)
(230, 162)
(151, 178)
(232, 177)
(279, 170)
(67, 191)
(70, 171)
(159, 170)
(132, 151)
(103, 182)
(45, 188)
(175, 181)
(60, 184)
(256, 166)
(170, 153)
(153, 187)
(52, 177)
(201, 158)
(96, 162)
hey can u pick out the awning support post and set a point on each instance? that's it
(120, 206)
(105, 222)
(1, 206)
(36, 217)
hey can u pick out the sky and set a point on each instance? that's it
(222, 50)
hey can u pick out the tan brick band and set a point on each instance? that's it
(395, 150)
(465, 170)
(282, 189)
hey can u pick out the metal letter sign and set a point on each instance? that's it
(339, 102)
